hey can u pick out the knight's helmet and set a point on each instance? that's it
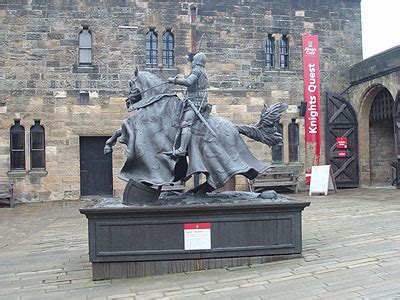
(200, 59)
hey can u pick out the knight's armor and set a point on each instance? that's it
(196, 82)
(196, 92)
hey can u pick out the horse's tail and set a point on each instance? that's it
(265, 131)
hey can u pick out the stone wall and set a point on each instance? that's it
(41, 79)
(368, 78)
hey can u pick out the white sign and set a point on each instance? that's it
(197, 236)
(322, 180)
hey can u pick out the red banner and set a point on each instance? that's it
(312, 97)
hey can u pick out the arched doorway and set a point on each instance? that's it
(381, 138)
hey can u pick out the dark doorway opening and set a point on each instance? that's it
(382, 144)
(95, 167)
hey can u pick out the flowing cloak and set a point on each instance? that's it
(154, 128)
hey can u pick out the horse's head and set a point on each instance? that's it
(144, 85)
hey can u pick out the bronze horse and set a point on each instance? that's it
(154, 129)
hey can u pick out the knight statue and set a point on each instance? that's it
(196, 101)
(162, 126)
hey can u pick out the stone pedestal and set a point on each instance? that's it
(134, 241)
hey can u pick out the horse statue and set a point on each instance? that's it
(153, 129)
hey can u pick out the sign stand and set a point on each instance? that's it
(322, 180)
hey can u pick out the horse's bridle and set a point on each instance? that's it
(157, 85)
(140, 93)
(135, 95)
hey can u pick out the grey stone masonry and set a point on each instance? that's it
(40, 77)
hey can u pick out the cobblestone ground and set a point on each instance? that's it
(351, 249)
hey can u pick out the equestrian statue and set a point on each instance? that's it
(169, 140)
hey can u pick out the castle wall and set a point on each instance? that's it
(41, 77)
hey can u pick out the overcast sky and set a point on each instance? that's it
(380, 25)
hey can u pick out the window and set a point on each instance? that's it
(270, 52)
(85, 46)
(151, 49)
(17, 146)
(168, 49)
(284, 53)
(293, 136)
(37, 142)
(84, 98)
(277, 150)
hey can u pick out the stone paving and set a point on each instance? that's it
(351, 250)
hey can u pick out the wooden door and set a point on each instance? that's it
(96, 168)
(341, 122)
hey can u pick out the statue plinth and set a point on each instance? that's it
(141, 240)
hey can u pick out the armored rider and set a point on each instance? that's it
(196, 92)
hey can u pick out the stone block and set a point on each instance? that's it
(33, 36)
(280, 94)
(60, 94)
(256, 101)
(60, 110)
(308, 25)
(55, 36)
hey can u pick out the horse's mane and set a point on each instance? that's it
(149, 80)
(150, 76)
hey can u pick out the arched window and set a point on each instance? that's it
(151, 49)
(277, 150)
(284, 52)
(17, 146)
(168, 49)
(37, 141)
(270, 52)
(293, 136)
(85, 46)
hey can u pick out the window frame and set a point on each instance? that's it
(284, 52)
(82, 47)
(168, 51)
(38, 129)
(270, 52)
(17, 129)
(294, 146)
(151, 48)
(279, 127)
